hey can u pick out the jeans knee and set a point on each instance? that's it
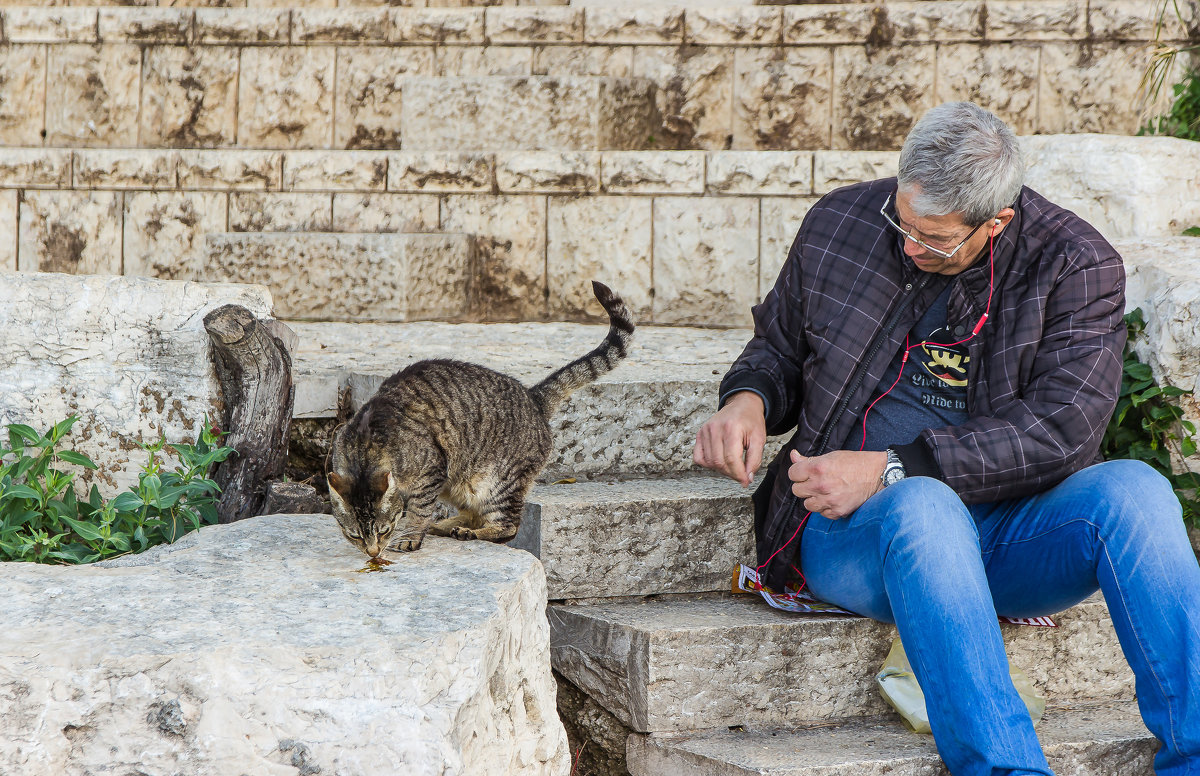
(1130, 494)
(924, 511)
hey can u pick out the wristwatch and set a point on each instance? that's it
(893, 470)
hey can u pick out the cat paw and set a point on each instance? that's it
(409, 545)
(462, 534)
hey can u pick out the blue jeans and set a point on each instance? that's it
(915, 555)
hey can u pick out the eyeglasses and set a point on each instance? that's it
(920, 242)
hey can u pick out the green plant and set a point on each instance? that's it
(42, 519)
(1148, 424)
(1192, 231)
(1183, 117)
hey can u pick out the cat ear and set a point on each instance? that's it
(339, 483)
(381, 482)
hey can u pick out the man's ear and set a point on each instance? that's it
(1001, 221)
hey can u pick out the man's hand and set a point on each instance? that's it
(731, 442)
(837, 483)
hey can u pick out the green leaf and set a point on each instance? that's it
(21, 491)
(127, 502)
(79, 459)
(85, 530)
(19, 431)
(1192, 231)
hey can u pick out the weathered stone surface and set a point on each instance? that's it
(643, 537)
(121, 168)
(1124, 186)
(1136, 20)
(285, 97)
(732, 25)
(879, 96)
(146, 25)
(1035, 20)
(534, 25)
(129, 355)
(253, 212)
(8, 231)
(781, 219)
(437, 25)
(652, 172)
(35, 167)
(782, 98)
(370, 93)
(1089, 89)
(1003, 79)
(694, 95)
(23, 83)
(75, 232)
(189, 96)
(236, 170)
(441, 171)
(761, 172)
(335, 170)
(705, 260)
(1104, 740)
(164, 232)
(341, 25)
(385, 213)
(241, 25)
(548, 171)
(832, 169)
(643, 24)
(483, 60)
(949, 20)
(96, 95)
(509, 233)
(823, 24)
(348, 277)
(680, 664)
(529, 113)
(611, 61)
(600, 238)
(332, 672)
(50, 25)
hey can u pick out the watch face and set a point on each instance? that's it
(892, 475)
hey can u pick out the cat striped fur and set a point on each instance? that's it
(472, 436)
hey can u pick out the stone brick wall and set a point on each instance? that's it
(810, 76)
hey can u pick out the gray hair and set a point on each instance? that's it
(964, 159)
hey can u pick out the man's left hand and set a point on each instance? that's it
(837, 483)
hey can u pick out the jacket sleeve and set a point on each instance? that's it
(771, 363)
(1053, 425)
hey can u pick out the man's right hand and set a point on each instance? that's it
(731, 442)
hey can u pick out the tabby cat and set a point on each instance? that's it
(475, 437)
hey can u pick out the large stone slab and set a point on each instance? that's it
(683, 664)
(342, 276)
(642, 537)
(129, 355)
(260, 648)
(534, 113)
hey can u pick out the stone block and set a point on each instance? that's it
(146, 25)
(437, 25)
(122, 168)
(483, 60)
(357, 26)
(23, 83)
(370, 93)
(1003, 79)
(782, 98)
(335, 170)
(781, 220)
(241, 25)
(642, 25)
(50, 25)
(534, 25)
(385, 213)
(285, 98)
(261, 212)
(644, 537)
(164, 232)
(1028, 20)
(348, 277)
(759, 172)
(675, 665)
(833, 169)
(1089, 89)
(611, 61)
(189, 96)
(948, 21)
(652, 172)
(441, 171)
(822, 24)
(510, 247)
(705, 260)
(726, 26)
(458, 674)
(598, 238)
(879, 96)
(236, 170)
(8, 231)
(77, 232)
(96, 95)
(529, 172)
(1137, 20)
(694, 95)
(129, 355)
(527, 113)
(35, 167)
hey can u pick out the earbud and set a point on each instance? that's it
(996, 222)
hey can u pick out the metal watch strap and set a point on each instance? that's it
(893, 470)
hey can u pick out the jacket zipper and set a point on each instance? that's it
(861, 372)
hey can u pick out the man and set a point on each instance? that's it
(981, 325)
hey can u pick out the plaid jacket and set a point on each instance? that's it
(1044, 372)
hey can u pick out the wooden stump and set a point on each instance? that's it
(255, 373)
(294, 498)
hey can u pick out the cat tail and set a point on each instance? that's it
(551, 392)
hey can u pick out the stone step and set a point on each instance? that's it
(688, 663)
(1093, 740)
(642, 537)
(533, 113)
(346, 276)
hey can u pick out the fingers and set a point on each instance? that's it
(731, 447)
